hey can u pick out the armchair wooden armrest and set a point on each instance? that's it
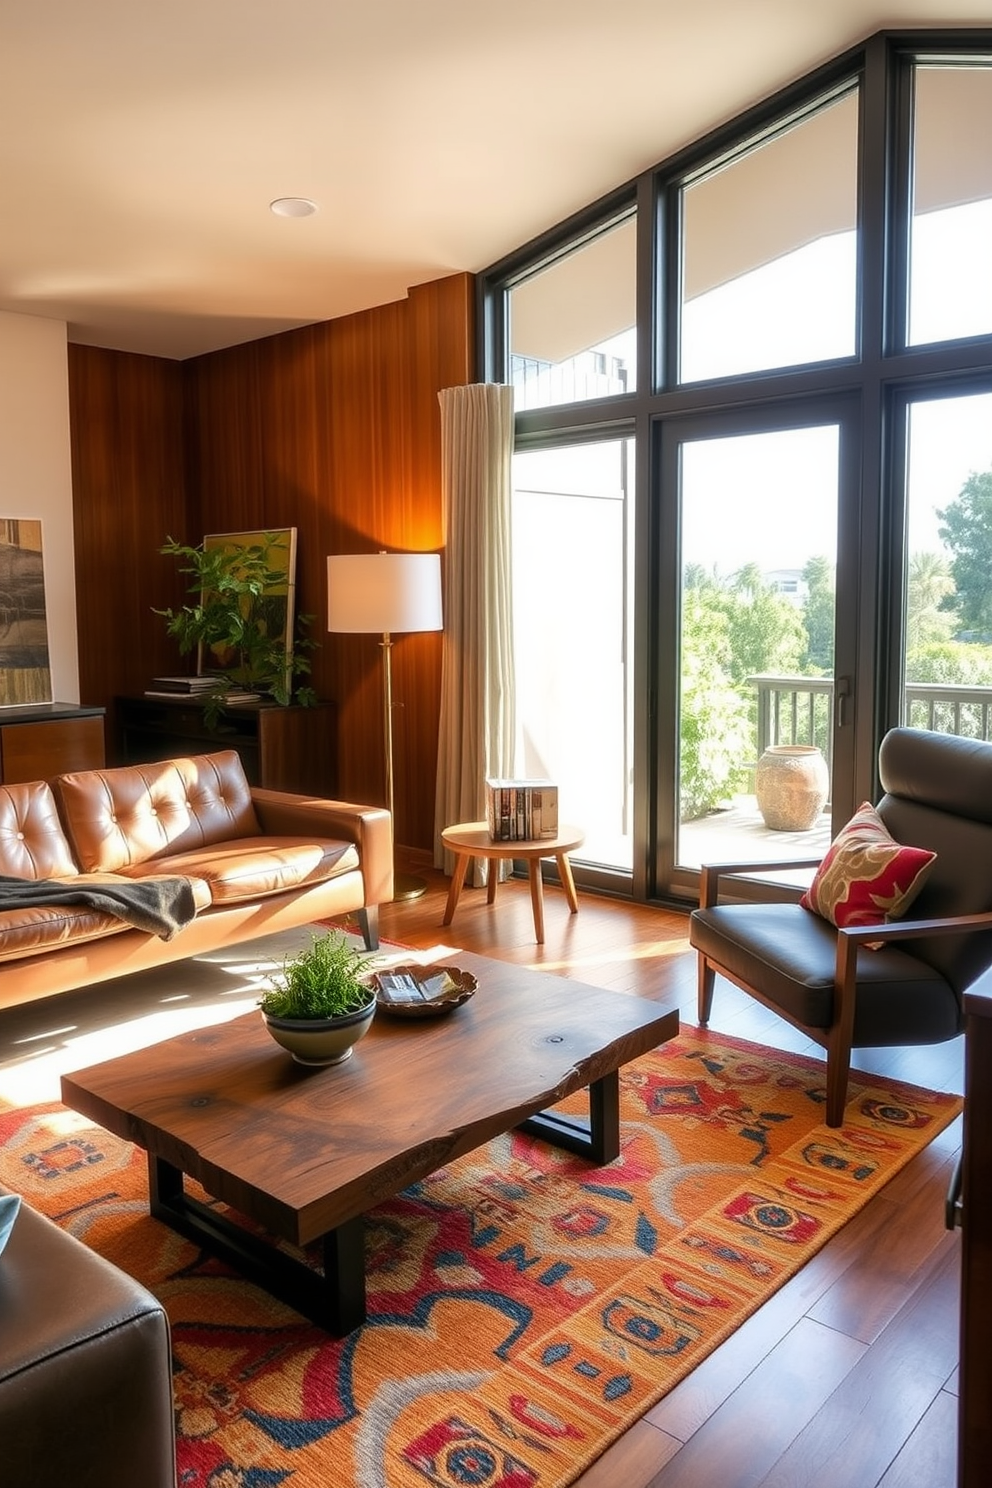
(913, 929)
(711, 873)
(849, 938)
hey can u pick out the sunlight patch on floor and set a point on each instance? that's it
(116, 1017)
(650, 951)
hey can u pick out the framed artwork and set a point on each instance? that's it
(270, 615)
(25, 667)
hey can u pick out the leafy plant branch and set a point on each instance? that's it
(239, 616)
(324, 980)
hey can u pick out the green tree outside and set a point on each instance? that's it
(740, 627)
(930, 593)
(716, 734)
(966, 528)
(950, 664)
(765, 632)
(818, 617)
(730, 631)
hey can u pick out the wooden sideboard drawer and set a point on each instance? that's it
(36, 748)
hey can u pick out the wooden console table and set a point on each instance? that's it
(40, 740)
(290, 749)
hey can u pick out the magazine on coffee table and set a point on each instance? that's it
(423, 989)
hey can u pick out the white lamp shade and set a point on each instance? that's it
(383, 592)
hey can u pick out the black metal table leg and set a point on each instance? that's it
(344, 1277)
(334, 1300)
(596, 1137)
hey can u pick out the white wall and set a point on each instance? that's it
(35, 471)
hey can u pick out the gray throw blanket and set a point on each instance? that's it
(160, 906)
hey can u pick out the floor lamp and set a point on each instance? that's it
(380, 594)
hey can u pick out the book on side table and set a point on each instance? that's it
(522, 810)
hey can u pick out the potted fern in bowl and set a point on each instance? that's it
(322, 1003)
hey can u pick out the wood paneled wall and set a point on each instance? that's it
(129, 494)
(333, 429)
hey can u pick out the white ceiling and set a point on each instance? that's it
(141, 142)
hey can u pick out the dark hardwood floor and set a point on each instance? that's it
(847, 1377)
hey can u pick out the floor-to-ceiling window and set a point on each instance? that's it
(572, 322)
(572, 626)
(572, 338)
(950, 244)
(783, 340)
(947, 608)
(758, 570)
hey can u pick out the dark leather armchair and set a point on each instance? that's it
(827, 982)
(85, 1368)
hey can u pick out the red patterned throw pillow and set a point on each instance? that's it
(866, 876)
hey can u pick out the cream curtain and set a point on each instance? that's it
(477, 726)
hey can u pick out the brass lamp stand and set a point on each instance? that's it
(385, 593)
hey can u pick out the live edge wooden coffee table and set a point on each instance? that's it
(304, 1153)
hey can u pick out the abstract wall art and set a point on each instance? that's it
(25, 668)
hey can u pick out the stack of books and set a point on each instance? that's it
(522, 810)
(173, 687)
(170, 685)
(179, 686)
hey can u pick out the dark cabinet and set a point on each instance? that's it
(49, 739)
(291, 749)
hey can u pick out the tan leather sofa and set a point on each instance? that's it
(258, 861)
(85, 1368)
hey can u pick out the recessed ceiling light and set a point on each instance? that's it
(293, 206)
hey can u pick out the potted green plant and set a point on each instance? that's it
(322, 1003)
(237, 618)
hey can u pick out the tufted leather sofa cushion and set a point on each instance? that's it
(46, 927)
(119, 818)
(254, 867)
(32, 842)
(258, 861)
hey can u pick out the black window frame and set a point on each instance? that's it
(884, 376)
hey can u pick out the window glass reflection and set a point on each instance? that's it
(950, 286)
(573, 627)
(769, 252)
(572, 334)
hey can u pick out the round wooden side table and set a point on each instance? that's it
(472, 840)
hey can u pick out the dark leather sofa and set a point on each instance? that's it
(85, 1368)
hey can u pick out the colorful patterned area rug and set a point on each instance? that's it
(524, 1308)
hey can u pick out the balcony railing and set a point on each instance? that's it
(794, 710)
(800, 710)
(949, 710)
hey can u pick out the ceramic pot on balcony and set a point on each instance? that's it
(791, 784)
